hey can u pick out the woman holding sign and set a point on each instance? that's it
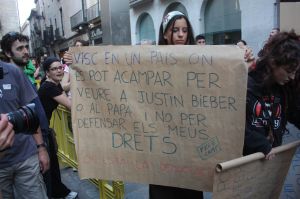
(51, 95)
(272, 96)
(175, 29)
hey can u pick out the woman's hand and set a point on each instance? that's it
(68, 58)
(248, 56)
(270, 155)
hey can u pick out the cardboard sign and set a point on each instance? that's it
(252, 176)
(158, 114)
(289, 13)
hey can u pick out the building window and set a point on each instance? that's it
(146, 29)
(61, 21)
(222, 21)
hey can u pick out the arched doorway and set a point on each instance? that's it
(176, 6)
(222, 21)
(146, 31)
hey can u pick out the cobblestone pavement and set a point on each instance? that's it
(87, 190)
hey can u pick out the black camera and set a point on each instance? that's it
(24, 119)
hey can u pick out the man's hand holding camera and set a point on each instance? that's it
(23, 120)
(6, 133)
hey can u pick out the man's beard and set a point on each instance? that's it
(19, 61)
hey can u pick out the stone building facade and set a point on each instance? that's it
(9, 17)
(221, 21)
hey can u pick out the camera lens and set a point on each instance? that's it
(24, 119)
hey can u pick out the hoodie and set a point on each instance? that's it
(266, 115)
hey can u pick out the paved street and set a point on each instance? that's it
(86, 190)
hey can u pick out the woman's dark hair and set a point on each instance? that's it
(243, 41)
(84, 43)
(282, 50)
(190, 37)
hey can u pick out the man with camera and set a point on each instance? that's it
(22, 164)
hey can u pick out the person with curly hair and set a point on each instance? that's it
(273, 96)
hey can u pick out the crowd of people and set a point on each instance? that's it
(273, 99)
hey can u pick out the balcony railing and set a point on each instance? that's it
(58, 36)
(78, 19)
(134, 3)
(36, 28)
(48, 35)
(93, 12)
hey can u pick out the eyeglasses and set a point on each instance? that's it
(56, 68)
